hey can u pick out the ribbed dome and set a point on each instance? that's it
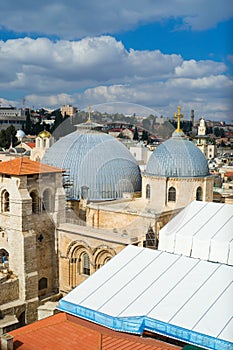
(98, 161)
(177, 157)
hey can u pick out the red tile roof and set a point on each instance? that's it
(25, 166)
(30, 144)
(63, 332)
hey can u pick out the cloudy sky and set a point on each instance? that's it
(140, 56)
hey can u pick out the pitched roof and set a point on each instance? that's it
(25, 166)
(143, 289)
(63, 332)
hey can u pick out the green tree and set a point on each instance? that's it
(28, 124)
(135, 135)
(58, 120)
(8, 137)
(217, 131)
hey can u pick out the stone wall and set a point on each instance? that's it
(9, 291)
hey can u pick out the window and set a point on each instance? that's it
(171, 194)
(47, 200)
(151, 241)
(85, 264)
(35, 202)
(5, 201)
(147, 191)
(43, 283)
(199, 194)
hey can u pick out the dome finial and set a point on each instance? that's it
(89, 114)
(178, 115)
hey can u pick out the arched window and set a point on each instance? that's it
(85, 264)
(172, 194)
(47, 200)
(5, 201)
(147, 191)
(4, 258)
(35, 201)
(43, 283)
(151, 241)
(199, 194)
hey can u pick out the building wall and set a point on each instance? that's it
(9, 291)
(72, 244)
(186, 189)
(29, 238)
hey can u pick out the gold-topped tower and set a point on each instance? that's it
(178, 115)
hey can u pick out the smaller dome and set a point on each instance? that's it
(20, 134)
(177, 157)
(44, 134)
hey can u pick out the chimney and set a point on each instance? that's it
(7, 342)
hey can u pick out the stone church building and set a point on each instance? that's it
(65, 217)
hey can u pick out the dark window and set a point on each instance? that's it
(85, 264)
(35, 202)
(171, 194)
(5, 201)
(43, 283)
(147, 191)
(199, 194)
(47, 200)
(151, 241)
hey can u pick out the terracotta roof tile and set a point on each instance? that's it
(25, 166)
(30, 144)
(63, 332)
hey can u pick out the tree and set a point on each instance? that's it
(28, 124)
(8, 137)
(58, 120)
(145, 135)
(135, 135)
(217, 131)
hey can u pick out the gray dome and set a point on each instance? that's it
(97, 161)
(177, 157)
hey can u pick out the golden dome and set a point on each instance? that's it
(44, 134)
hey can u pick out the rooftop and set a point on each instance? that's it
(176, 296)
(63, 332)
(24, 166)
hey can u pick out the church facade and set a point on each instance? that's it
(87, 200)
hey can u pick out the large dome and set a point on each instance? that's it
(97, 161)
(177, 157)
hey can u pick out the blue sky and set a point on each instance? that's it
(128, 56)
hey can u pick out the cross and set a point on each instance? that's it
(178, 115)
(40, 238)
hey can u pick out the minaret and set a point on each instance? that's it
(202, 128)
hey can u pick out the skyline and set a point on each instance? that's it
(122, 56)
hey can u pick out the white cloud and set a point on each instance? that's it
(99, 70)
(193, 68)
(72, 19)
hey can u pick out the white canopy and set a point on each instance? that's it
(143, 289)
(202, 230)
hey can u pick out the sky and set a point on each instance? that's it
(131, 56)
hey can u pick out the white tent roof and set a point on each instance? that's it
(143, 289)
(202, 230)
